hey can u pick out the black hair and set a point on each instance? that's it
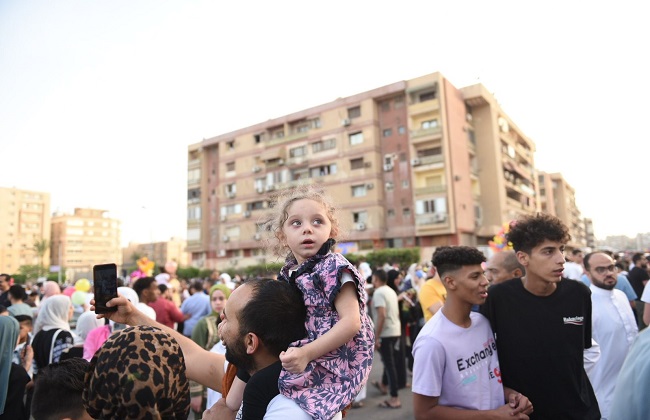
(636, 257)
(391, 276)
(275, 312)
(452, 258)
(380, 273)
(18, 292)
(529, 231)
(162, 287)
(3, 309)
(58, 388)
(142, 284)
(24, 318)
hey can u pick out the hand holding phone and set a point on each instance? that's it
(105, 286)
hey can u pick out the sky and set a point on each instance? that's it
(99, 100)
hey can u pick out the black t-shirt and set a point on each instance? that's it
(14, 407)
(540, 341)
(42, 344)
(260, 389)
(637, 276)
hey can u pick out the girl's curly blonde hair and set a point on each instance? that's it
(277, 214)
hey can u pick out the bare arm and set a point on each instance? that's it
(201, 365)
(295, 359)
(425, 407)
(434, 308)
(646, 313)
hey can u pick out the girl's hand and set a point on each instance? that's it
(294, 360)
(125, 314)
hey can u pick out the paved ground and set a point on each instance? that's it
(373, 398)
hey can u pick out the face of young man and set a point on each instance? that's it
(545, 262)
(153, 292)
(4, 284)
(470, 284)
(602, 271)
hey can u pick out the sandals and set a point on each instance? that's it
(386, 404)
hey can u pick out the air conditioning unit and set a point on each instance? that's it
(225, 238)
(439, 217)
(223, 218)
(260, 190)
(270, 187)
(256, 169)
(222, 253)
(247, 213)
(257, 236)
(388, 167)
(280, 162)
(370, 186)
(345, 122)
(360, 226)
(415, 162)
(230, 194)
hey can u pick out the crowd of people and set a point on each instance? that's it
(521, 334)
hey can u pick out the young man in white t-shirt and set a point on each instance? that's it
(456, 369)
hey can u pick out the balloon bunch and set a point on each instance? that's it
(79, 293)
(499, 241)
(145, 269)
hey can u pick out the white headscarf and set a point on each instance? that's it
(87, 322)
(53, 314)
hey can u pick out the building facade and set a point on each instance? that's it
(414, 163)
(83, 239)
(158, 252)
(24, 221)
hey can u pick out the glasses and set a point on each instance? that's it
(603, 270)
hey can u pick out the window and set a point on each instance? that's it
(360, 217)
(231, 209)
(321, 145)
(193, 175)
(390, 213)
(300, 173)
(323, 170)
(399, 102)
(193, 196)
(359, 190)
(230, 145)
(256, 205)
(429, 124)
(315, 123)
(354, 112)
(233, 231)
(390, 186)
(406, 212)
(387, 132)
(258, 138)
(230, 166)
(427, 96)
(231, 188)
(298, 151)
(356, 163)
(436, 205)
(194, 213)
(356, 138)
(401, 129)
(405, 184)
(302, 128)
(385, 106)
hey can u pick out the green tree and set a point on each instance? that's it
(31, 272)
(41, 247)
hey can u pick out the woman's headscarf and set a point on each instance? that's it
(87, 322)
(138, 373)
(53, 314)
(51, 288)
(9, 329)
(226, 291)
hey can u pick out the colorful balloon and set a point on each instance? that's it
(78, 297)
(82, 285)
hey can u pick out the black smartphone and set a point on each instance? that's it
(105, 286)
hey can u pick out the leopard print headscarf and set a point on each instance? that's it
(139, 373)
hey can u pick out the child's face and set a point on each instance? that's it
(25, 328)
(306, 229)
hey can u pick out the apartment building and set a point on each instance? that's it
(159, 252)
(558, 197)
(24, 221)
(414, 163)
(83, 239)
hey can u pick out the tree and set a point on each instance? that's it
(41, 248)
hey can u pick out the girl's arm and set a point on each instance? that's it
(235, 394)
(295, 359)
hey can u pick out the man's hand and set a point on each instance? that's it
(219, 411)
(519, 403)
(505, 412)
(126, 312)
(294, 360)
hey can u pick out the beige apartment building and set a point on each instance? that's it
(83, 239)
(558, 198)
(158, 252)
(414, 163)
(24, 220)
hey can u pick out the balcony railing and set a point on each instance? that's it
(431, 189)
(424, 132)
(431, 219)
(291, 137)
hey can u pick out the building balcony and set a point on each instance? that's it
(425, 134)
(287, 139)
(423, 107)
(429, 190)
(431, 219)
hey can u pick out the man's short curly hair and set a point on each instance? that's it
(531, 230)
(452, 258)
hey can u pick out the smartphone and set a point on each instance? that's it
(105, 286)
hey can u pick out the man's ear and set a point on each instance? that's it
(252, 343)
(449, 282)
(517, 273)
(522, 257)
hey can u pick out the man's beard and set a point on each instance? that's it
(236, 354)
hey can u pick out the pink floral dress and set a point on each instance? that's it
(330, 383)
